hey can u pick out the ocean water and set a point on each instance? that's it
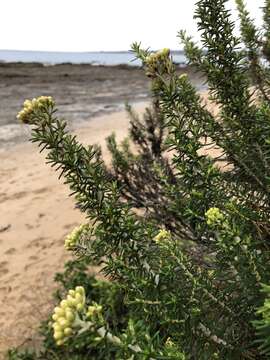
(95, 58)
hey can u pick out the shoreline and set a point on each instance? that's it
(69, 63)
(127, 57)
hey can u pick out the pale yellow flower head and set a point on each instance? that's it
(158, 62)
(162, 236)
(155, 57)
(73, 238)
(93, 310)
(30, 106)
(66, 314)
(214, 216)
(183, 76)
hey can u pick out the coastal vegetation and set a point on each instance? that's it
(179, 224)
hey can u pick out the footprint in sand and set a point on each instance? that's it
(5, 228)
(11, 278)
(36, 198)
(36, 242)
(33, 258)
(10, 251)
(6, 289)
(15, 196)
(3, 268)
(41, 190)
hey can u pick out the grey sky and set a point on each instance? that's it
(89, 25)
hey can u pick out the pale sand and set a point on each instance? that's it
(40, 213)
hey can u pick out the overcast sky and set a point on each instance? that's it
(94, 25)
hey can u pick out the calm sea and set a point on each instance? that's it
(95, 58)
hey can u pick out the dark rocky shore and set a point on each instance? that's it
(81, 91)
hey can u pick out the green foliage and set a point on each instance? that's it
(263, 324)
(16, 354)
(110, 296)
(103, 292)
(186, 269)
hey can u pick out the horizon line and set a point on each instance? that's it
(80, 52)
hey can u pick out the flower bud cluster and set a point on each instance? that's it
(162, 236)
(158, 62)
(66, 314)
(73, 238)
(183, 77)
(214, 217)
(30, 106)
(93, 310)
(157, 56)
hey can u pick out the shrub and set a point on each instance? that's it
(187, 269)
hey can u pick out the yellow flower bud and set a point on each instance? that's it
(80, 307)
(59, 342)
(54, 317)
(63, 322)
(80, 290)
(70, 298)
(70, 316)
(162, 235)
(72, 292)
(79, 298)
(73, 238)
(71, 302)
(27, 104)
(90, 311)
(93, 309)
(57, 327)
(64, 304)
(58, 335)
(68, 331)
(183, 76)
(59, 311)
(166, 52)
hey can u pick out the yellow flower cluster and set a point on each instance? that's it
(214, 216)
(73, 238)
(30, 106)
(93, 310)
(66, 314)
(158, 61)
(183, 76)
(162, 235)
(153, 58)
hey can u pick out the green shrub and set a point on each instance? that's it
(186, 271)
